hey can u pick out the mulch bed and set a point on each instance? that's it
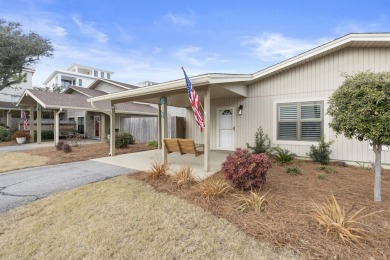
(84, 152)
(287, 221)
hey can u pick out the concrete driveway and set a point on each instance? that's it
(22, 186)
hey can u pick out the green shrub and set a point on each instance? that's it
(246, 170)
(45, 135)
(321, 152)
(322, 176)
(4, 133)
(327, 169)
(153, 143)
(123, 139)
(293, 171)
(283, 155)
(66, 148)
(262, 143)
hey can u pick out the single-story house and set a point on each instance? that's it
(288, 100)
(72, 108)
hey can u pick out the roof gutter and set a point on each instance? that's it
(99, 109)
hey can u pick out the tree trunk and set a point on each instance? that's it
(378, 171)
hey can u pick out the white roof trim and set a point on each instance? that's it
(225, 78)
(28, 93)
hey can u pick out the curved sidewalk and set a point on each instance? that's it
(23, 186)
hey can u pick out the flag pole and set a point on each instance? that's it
(200, 102)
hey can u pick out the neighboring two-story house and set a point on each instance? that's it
(9, 113)
(76, 75)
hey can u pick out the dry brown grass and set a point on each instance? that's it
(158, 170)
(18, 160)
(287, 221)
(333, 219)
(50, 155)
(212, 187)
(123, 218)
(183, 176)
(253, 201)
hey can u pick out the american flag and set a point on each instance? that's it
(24, 118)
(195, 102)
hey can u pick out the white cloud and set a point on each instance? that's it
(276, 46)
(187, 55)
(180, 19)
(89, 30)
(379, 25)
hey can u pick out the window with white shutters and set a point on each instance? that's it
(301, 121)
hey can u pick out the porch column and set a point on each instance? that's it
(102, 127)
(164, 134)
(112, 131)
(31, 121)
(159, 141)
(39, 124)
(206, 132)
(8, 121)
(56, 126)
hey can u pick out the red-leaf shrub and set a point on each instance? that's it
(246, 170)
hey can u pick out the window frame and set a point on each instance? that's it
(324, 121)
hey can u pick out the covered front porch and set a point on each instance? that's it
(209, 87)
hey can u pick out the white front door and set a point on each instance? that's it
(225, 129)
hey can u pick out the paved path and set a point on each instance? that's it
(22, 186)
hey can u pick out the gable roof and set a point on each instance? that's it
(178, 86)
(8, 105)
(85, 91)
(54, 100)
(124, 86)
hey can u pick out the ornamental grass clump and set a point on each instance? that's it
(253, 202)
(158, 170)
(212, 187)
(333, 219)
(246, 170)
(183, 176)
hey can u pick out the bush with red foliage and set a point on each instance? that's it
(246, 170)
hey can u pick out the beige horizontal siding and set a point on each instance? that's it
(311, 80)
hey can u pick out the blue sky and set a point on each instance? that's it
(151, 40)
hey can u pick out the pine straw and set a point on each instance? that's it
(287, 222)
(122, 219)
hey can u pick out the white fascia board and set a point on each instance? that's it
(154, 89)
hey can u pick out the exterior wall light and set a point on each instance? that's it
(240, 110)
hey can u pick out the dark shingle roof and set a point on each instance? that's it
(57, 100)
(88, 92)
(125, 85)
(8, 105)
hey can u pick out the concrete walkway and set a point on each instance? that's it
(23, 186)
(142, 161)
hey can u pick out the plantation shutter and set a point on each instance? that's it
(300, 121)
(311, 121)
(287, 127)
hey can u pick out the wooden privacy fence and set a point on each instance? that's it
(144, 129)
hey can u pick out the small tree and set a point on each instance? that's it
(18, 51)
(262, 143)
(360, 109)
